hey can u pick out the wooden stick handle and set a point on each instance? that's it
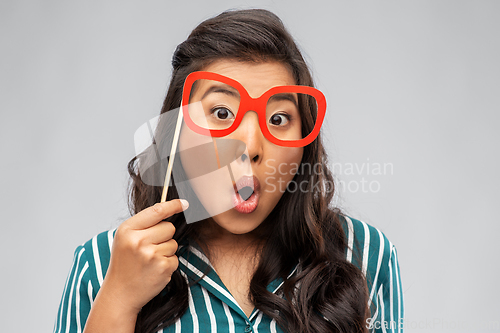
(173, 150)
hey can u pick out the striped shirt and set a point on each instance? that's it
(212, 308)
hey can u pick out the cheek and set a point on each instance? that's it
(189, 139)
(210, 182)
(283, 165)
(192, 149)
(190, 152)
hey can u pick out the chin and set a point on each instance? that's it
(237, 223)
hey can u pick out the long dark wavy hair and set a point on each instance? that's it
(332, 293)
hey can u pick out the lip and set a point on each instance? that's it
(249, 205)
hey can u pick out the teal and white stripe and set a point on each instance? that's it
(380, 266)
(212, 308)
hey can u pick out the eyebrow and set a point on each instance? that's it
(284, 97)
(227, 90)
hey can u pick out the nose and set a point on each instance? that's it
(249, 132)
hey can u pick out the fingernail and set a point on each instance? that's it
(184, 204)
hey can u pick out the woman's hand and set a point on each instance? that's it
(143, 256)
(141, 265)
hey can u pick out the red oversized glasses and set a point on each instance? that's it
(289, 116)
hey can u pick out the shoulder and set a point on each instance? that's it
(90, 263)
(369, 249)
(97, 253)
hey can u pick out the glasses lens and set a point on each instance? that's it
(291, 116)
(213, 104)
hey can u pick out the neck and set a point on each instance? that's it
(217, 241)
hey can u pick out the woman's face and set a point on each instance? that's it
(264, 166)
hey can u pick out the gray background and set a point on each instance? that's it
(412, 84)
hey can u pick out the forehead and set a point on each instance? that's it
(256, 77)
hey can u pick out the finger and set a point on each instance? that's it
(156, 213)
(170, 264)
(167, 249)
(161, 232)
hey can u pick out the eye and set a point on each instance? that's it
(222, 113)
(279, 119)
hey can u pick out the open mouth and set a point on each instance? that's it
(246, 194)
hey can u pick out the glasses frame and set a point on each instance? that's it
(257, 105)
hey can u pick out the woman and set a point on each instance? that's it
(278, 259)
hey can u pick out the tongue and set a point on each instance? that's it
(245, 192)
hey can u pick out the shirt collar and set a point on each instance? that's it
(194, 263)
